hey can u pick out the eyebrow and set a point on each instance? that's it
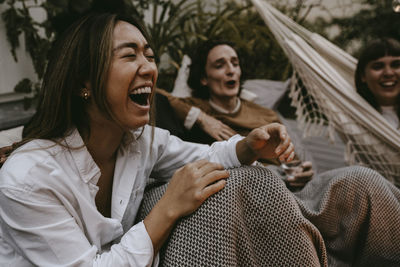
(222, 60)
(130, 45)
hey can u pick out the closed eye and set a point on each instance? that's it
(377, 66)
(151, 58)
(130, 55)
(396, 64)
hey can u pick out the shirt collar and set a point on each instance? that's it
(388, 108)
(223, 110)
(87, 168)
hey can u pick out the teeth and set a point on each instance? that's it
(142, 90)
(388, 83)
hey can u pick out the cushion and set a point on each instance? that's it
(9, 136)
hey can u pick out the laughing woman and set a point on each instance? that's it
(377, 78)
(70, 192)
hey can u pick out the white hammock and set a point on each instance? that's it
(327, 73)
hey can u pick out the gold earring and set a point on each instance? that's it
(85, 94)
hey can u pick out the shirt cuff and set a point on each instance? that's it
(233, 142)
(191, 117)
(138, 242)
(224, 152)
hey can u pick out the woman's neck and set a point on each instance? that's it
(103, 142)
(227, 103)
(384, 102)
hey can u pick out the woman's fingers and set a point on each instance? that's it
(211, 173)
(225, 135)
(194, 183)
(228, 130)
(213, 176)
(219, 138)
(218, 130)
(262, 133)
(295, 184)
(285, 140)
(209, 167)
(307, 165)
(198, 164)
(302, 178)
(225, 132)
(288, 154)
(213, 188)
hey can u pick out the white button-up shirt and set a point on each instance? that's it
(48, 213)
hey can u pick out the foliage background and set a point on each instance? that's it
(178, 26)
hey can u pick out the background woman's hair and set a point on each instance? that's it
(198, 67)
(374, 50)
(82, 54)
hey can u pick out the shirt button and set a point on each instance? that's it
(120, 202)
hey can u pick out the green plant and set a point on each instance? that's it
(360, 27)
(19, 21)
(229, 20)
(176, 28)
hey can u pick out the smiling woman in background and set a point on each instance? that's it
(377, 78)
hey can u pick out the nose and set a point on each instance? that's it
(146, 68)
(230, 69)
(388, 70)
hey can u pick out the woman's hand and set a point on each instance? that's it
(189, 187)
(192, 184)
(215, 128)
(301, 178)
(266, 142)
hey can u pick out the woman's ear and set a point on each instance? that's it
(203, 81)
(363, 77)
(87, 85)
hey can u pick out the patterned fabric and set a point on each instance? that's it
(345, 217)
(357, 212)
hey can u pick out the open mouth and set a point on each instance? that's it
(141, 96)
(231, 82)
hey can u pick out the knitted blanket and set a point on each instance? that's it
(346, 217)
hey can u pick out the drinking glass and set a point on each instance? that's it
(290, 169)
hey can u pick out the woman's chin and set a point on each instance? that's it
(137, 124)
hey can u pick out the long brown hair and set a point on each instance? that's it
(82, 55)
